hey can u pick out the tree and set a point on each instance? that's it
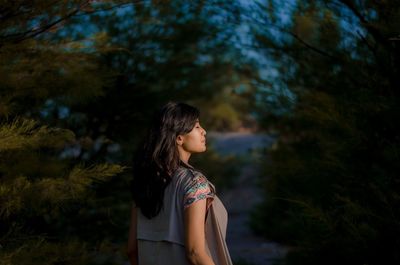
(100, 68)
(174, 50)
(157, 51)
(40, 183)
(332, 188)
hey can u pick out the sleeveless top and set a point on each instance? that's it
(186, 187)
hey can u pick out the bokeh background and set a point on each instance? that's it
(300, 100)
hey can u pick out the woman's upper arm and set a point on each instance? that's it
(197, 191)
(196, 194)
(194, 219)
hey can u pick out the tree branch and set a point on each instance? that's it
(298, 38)
(371, 30)
(315, 49)
(135, 2)
(32, 32)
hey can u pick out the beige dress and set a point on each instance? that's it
(161, 239)
(216, 224)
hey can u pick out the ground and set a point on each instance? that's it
(246, 247)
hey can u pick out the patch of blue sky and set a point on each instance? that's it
(50, 107)
(257, 20)
(351, 32)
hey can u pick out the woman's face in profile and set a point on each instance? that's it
(195, 140)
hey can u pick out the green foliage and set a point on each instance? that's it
(100, 69)
(40, 186)
(40, 250)
(27, 134)
(177, 50)
(331, 183)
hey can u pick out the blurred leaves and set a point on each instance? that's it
(79, 81)
(39, 188)
(25, 133)
(331, 186)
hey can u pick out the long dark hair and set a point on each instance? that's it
(158, 157)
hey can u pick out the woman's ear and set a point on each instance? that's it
(179, 140)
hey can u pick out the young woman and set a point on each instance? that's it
(176, 217)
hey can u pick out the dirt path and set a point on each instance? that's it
(246, 247)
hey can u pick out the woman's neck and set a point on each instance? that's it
(184, 155)
(186, 164)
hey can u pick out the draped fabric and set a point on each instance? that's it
(161, 239)
(216, 224)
